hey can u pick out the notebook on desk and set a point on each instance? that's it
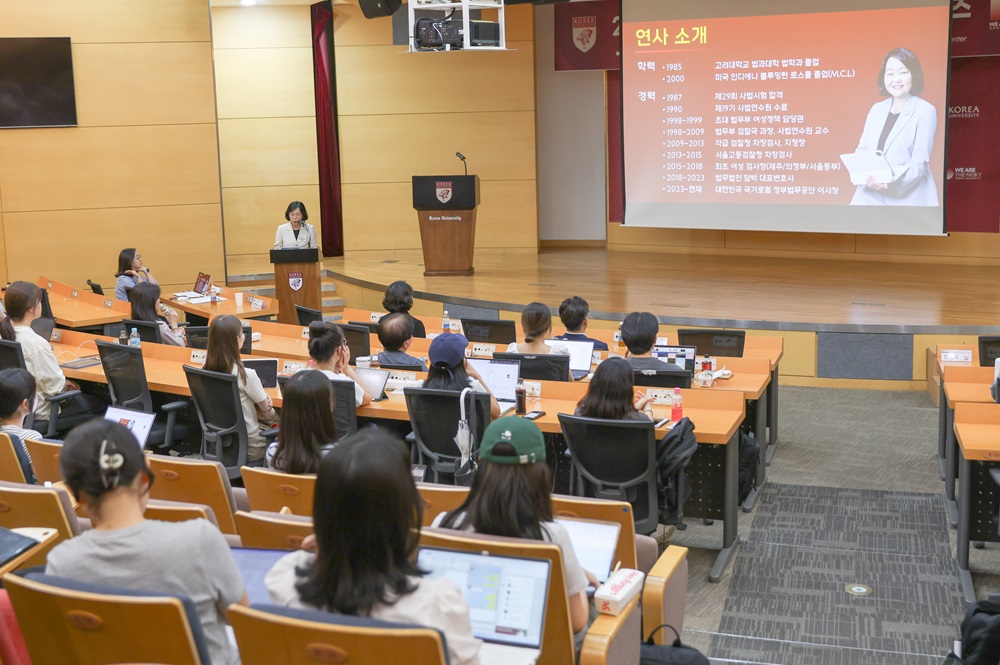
(506, 598)
(500, 377)
(581, 356)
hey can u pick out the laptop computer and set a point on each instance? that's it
(139, 423)
(682, 356)
(43, 327)
(267, 370)
(254, 565)
(506, 598)
(581, 356)
(594, 542)
(500, 376)
(374, 380)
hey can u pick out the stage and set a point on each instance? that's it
(756, 293)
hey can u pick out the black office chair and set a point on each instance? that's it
(491, 332)
(95, 287)
(224, 435)
(359, 341)
(728, 343)
(307, 316)
(402, 368)
(126, 374)
(615, 459)
(548, 367)
(372, 327)
(345, 410)
(11, 355)
(659, 378)
(148, 332)
(197, 338)
(434, 416)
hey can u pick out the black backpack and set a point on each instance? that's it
(673, 452)
(749, 459)
(980, 635)
(677, 653)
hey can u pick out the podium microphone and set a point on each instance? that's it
(462, 157)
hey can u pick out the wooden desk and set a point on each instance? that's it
(935, 373)
(74, 307)
(959, 385)
(202, 313)
(977, 428)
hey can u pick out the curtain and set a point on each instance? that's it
(616, 183)
(327, 142)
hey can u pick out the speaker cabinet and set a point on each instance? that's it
(379, 8)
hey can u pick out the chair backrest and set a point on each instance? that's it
(434, 416)
(65, 621)
(197, 337)
(194, 481)
(989, 350)
(11, 470)
(616, 460)
(307, 315)
(372, 327)
(268, 634)
(345, 410)
(655, 378)
(95, 287)
(11, 355)
(557, 638)
(38, 506)
(148, 332)
(178, 511)
(216, 398)
(45, 460)
(359, 341)
(126, 372)
(493, 332)
(535, 367)
(727, 343)
(272, 531)
(438, 498)
(272, 490)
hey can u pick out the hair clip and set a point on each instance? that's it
(110, 465)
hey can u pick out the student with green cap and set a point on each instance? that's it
(510, 496)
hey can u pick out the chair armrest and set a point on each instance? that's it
(664, 592)
(614, 639)
(175, 406)
(62, 397)
(270, 434)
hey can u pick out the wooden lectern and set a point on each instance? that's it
(446, 207)
(296, 281)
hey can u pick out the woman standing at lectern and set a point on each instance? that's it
(296, 234)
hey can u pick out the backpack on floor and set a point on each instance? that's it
(749, 459)
(980, 635)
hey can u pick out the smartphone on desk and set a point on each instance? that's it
(534, 415)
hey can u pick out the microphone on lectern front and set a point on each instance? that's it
(462, 157)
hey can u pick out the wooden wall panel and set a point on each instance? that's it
(176, 241)
(3, 255)
(262, 27)
(99, 167)
(798, 242)
(674, 239)
(351, 28)
(144, 84)
(253, 214)
(387, 68)
(104, 21)
(265, 82)
(956, 245)
(268, 151)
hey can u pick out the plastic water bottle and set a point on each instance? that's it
(133, 339)
(445, 322)
(123, 337)
(677, 408)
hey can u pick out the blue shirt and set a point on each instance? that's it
(400, 358)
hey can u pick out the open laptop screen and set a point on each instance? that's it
(581, 354)
(506, 595)
(500, 376)
(374, 380)
(137, 422)
(682, 356)
(594, 543)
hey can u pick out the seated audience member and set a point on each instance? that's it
(130, 273)
(308, 430)
(146, 306)
(225, 339)
(107, 473)
(639, 330)
(511, 496)
(331, 355)
(17, 400)
(399, 298)
(367, 518)
(395, 333)
(536, 322)
(450, 371)
(611, 394)
(574, 313)
(23, 303)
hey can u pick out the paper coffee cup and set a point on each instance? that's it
(239, 298)
(363, 362)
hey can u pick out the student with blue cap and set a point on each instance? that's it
(449, 371)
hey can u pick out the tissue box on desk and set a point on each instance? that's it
(620, 588)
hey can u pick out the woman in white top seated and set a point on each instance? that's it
(536, 322)
(225, 339)
(146, 306)
(331, 355)
(23, 303)
(296, 234)
(367, 518)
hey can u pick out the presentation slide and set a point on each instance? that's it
(759, 116)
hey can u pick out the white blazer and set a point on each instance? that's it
(284, 237)
(908, 147)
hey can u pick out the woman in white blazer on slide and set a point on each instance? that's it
(902, 128)
(296, 234)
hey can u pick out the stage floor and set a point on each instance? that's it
(738, 292)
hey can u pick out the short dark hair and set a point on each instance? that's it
(143, 298)
(324, 340)
(16, 385)
(911, 62)
(367, 515)
(306, 421)
(573, 312)
(394, 329)
(611, 392)
(125, 259)
(536, 321)
(83, 468)
(398, 297)
(296, 204)
(639, 330)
